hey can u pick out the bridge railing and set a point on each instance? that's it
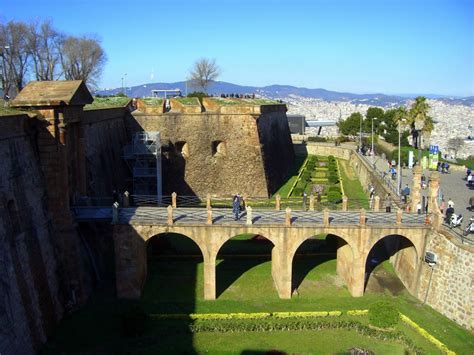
(295, 203)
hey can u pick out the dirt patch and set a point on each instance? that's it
(380, 281)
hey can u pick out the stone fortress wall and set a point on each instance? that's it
(452, 279)
(33, 287)
(58, 152)
(222, 150)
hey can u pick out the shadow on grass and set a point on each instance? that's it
(303, 264)
(238, 256)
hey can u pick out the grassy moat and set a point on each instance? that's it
(244, 284)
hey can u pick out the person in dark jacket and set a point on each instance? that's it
(236, 207)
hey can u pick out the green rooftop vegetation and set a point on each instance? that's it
(8, 111)
(153, 101)
(107, 102)
(188, 100)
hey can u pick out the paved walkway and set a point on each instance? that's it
(224, 216)
(453, 186)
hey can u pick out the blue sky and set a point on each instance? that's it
(362, 46)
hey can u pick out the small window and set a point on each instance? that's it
(218, 149)
(182, 148)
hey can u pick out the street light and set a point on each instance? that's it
(399, 180)
(373, 118)
(360, 134)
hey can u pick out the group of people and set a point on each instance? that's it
(238, 96)
(443, 167)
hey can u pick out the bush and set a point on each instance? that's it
(331, 158)
(316, 139)
(333, 178)
(383, 314)
(335, 188)
(334, 196)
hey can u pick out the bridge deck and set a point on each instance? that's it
(159, 215)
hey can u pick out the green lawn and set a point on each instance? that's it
(244, 284)
(352, 187)
(107, 102)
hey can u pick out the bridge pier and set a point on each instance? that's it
(282, 272)
(209, 279)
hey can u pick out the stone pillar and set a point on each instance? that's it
(433, 191)
(170, 215)
(249, 215)
(277, 202)
(282, 271)
(399, 215)
(356, 286)
(362, 217)
(130, 262)
(209, 279)
(311, 202)
(208, 201)
(173, 200)
(209, 216)
(115, 213)
(288, 217)
(416, 187)
(126, 199)
(376, 204)
(344, 203)
(326, 217)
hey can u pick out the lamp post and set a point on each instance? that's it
(373, 155)
(399, 175)
(360, 134)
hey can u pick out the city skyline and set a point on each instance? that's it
(423, 47)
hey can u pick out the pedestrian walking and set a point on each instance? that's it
(469, 179)
(236, 207)
(388, 203)
(450, 203)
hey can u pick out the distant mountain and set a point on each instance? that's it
(280, 92)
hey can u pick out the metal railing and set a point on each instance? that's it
(458, 233)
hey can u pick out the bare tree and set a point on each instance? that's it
(203, 72)
(43, 45)
(455, 144)
(14, 55)
(82, 59)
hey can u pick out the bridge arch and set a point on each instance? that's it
(342, 246)
(402, 251)
(249, 249)
(173, 256)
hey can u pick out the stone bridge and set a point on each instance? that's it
(357, 234)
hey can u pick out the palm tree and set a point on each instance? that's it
(419, 120)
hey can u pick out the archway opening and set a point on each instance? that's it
(243, 268)
(390, 265)
(320, 265)
(174, 273)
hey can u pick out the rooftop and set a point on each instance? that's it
(53, 93)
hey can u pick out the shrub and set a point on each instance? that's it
(334, 196)
(335, 188)
(316, 139)
(383, 314)
(333, 178)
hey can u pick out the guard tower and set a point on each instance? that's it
(143, 157)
